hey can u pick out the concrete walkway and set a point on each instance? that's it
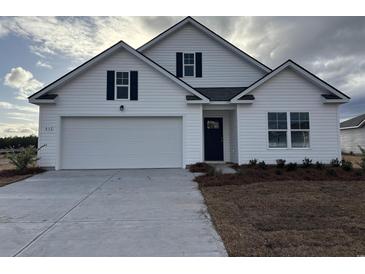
(151, 212)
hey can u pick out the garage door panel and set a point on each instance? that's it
(134, 142)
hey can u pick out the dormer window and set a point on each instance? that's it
(122, 85)
(189, 64)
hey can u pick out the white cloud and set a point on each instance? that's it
(6, 105)
(3, 31)
(19, 129)
(43, 64)
(21, 116)
(10, 106)
(76, 37)
(23, 81)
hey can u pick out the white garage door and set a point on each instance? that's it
(128, 142)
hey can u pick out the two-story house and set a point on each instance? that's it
(186, 96)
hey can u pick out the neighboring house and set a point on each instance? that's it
(353, 134)
(186, 96)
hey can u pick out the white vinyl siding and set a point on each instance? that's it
(220, 66)
(234, 139)
(288, 92)
(86, 96)
(351, 139)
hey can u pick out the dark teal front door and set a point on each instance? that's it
(213, 139)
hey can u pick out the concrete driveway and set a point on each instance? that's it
(145, 212)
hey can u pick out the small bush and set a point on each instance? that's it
(212, 171)
(331, 172)
(358, 173)
(306, 162)
(291, 166)
(23, 158)
(280, 163)
(335, 162)
(278, 172)
(319, 165)
(252, 162)
(346, 165)
(262, 165)
(362, 163)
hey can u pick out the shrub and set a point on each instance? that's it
(346, 165)
(278, 172)
(358, 173)
(362, 163)
(252, 162)
(335, 162)
(319, 165)
(306, 162)
(262, 165)
(280, 163)
(331, 172)
(22, 159)
(212, 171)
(291, 166)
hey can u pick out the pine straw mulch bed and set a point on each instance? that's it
(305, 212)
(10, 176)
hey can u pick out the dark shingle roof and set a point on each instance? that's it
(220, 94)
(330, 96)
(192, 98)
(353, 122)
(47, 96)
(247, 97)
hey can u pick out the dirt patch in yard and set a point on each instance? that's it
(249, 175)
(10, 176)
(4, 162)
(290, 218)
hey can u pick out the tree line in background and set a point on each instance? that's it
(18, 142)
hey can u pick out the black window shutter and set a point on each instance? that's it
(179, 64)
(134, 85)
(199, 67)
(110, 83)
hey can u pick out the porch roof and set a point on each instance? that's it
(218, 93)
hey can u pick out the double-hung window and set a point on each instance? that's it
(299, 127)
(122, 85)
(277, 124)
(189, 64)
(281, 133)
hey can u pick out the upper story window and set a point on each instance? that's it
(278, 127)
(121, 85)
(189, 64)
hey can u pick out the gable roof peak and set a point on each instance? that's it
(211, 34)
(302, 71)
(121, 44)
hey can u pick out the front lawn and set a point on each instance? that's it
(276, 212)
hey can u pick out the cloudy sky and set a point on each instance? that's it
(35, 51)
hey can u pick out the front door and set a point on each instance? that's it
(213, 139)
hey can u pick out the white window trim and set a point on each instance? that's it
(307, 130)
(116, 85)
(282, 130)
(191, 65)
(288, 132)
